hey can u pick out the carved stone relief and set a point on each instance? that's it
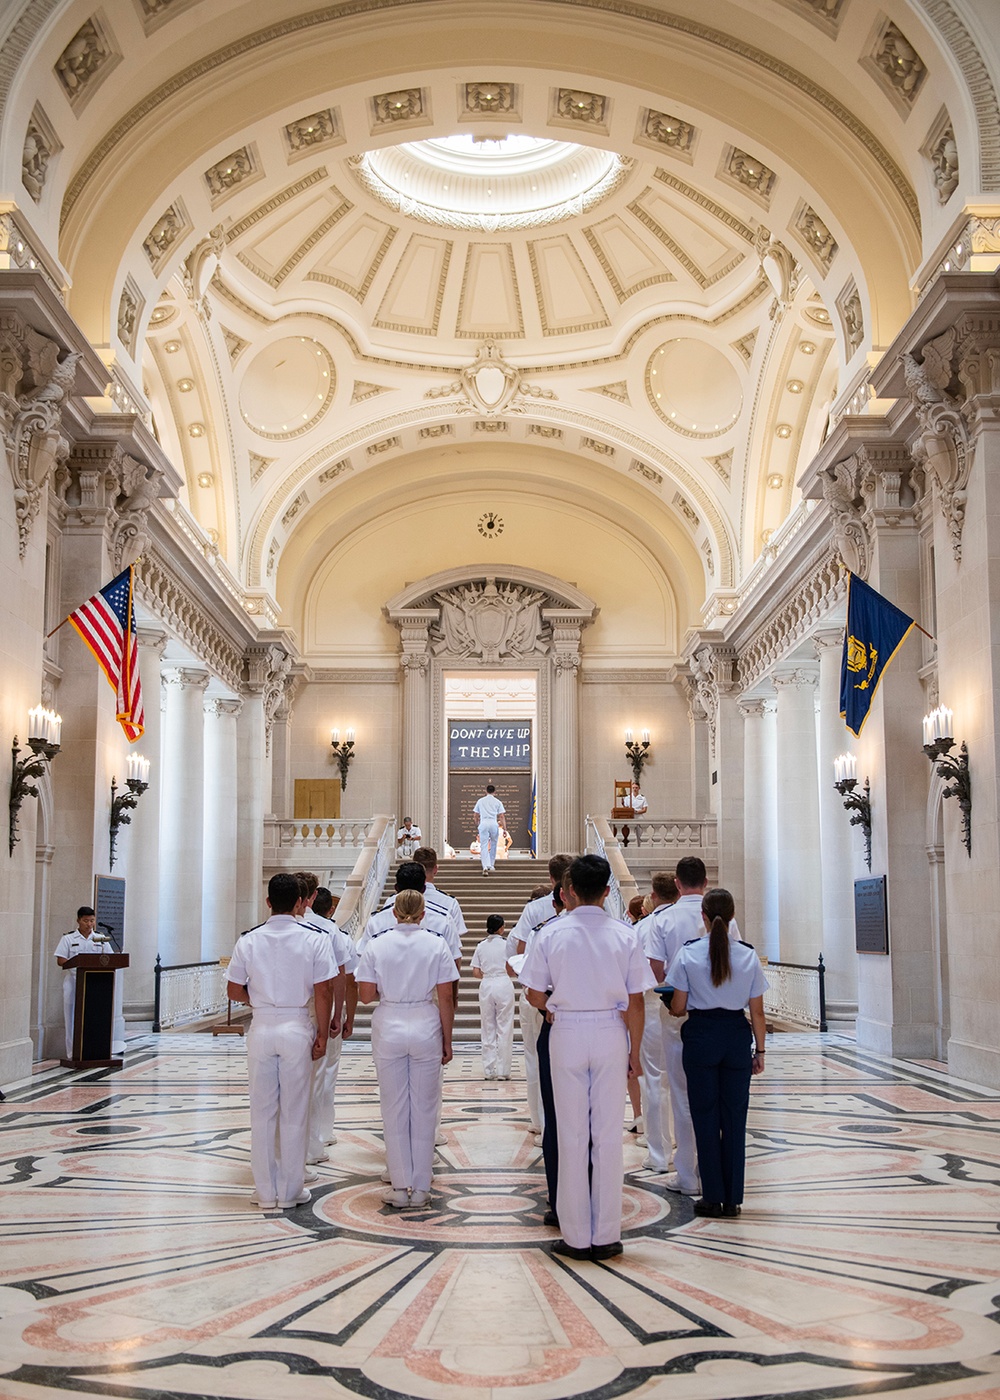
(489, 99)
(940, 150)
(40, 145)
(781, 270)
(406, 105)
(481, 621)
(34, 386)
(130, 305)
(845, 486)
(661, 129)
(815, 236)
(749, 172)
(943, 444)
(317, 130)
(573, 105)
(851, 316)
(86, 60)
(229, 173)
(894, 59)
(100, 482)
(169, 227)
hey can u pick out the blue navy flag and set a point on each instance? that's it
(875, 631)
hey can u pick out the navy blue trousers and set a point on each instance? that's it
(550, 1138)
(717, 1064)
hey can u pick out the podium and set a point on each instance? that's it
(94, 1012)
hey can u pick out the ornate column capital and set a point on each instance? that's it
(219, 706)
(829, 640)
(268, 666)
(796, 678)
(943, 442)
(152, 637)
(185, 678)
(756, 706)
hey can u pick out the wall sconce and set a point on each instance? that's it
(44, 730)
(343, 753)
(845, 772)
(636, 752)
(122, 803)
(938, 742)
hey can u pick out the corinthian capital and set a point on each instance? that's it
(943, 442)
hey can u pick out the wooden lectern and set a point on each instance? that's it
(621, 811)
(94, 1013)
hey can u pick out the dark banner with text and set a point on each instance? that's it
(465, 790)
(483, 744)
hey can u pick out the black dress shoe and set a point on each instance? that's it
(713, 1209)
(730, 1211)
(550, 1218)
(607, 1251)
(570, 1251)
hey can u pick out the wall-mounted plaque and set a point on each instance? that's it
(871, 916)
(109, 905)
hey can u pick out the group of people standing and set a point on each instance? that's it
(590, 1019)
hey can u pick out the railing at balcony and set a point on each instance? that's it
(188, 992)
(315, 835)
(797, 993)
(601, 841)
(667, 834)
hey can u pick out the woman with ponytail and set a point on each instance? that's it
(715, 978)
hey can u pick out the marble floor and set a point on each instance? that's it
(132, 1263)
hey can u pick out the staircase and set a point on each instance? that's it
(504, 892)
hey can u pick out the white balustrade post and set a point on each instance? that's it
(800, 881)
(842, 858)
(182, 815)
(218, 900)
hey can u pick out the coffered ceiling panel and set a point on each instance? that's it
(628, 263)
(489, 304)
(283, 239)
(567, 298)
(413, 301)
(355, 257)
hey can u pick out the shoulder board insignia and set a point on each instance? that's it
(692, 940)
(744, 944)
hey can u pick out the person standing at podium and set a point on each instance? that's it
(82, 940)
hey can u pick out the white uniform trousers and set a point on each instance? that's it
(406, 1048)
(531, 1024)
(685, 1151)
(589, 1055)
(69, 1009)
(489, 833)
(656, 1116)
(322, 1108)
(279, 1063)
(496, 1014)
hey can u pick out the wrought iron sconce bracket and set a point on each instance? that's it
(25, 771)
(637, 753)
(954, 769)
(344, 755)
(860, 804)
(121, 805)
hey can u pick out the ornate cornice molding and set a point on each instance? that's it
(980, 86)
(808, 605)
(166, 596)
(773, 67)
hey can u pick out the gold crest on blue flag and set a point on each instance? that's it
(875, 631)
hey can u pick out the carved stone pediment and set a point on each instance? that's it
(490, 623)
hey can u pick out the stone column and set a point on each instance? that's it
(713, 668)
(842, 844)
(250, 908)
(567, 832)
(760, 841)
(800, 884)
(142, 841)
(182, 815)
(281, 761)
(219, 870)
(415, 775)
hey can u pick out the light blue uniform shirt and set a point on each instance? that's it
(691, 972)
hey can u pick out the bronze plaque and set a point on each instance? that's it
(464, 791)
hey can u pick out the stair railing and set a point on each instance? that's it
(601, 841)
(365, 882)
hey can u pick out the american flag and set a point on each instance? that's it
(106, 623)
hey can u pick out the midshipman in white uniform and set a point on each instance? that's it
(82, 940)
(489, 810)
(322, 1097)
(597, 972)
(411, 1041)
(496, 1000)
(278, 969)
(535, 913)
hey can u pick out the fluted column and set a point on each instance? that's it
(842, 849)
(142, 843)
(760, 840)
(415, 662)
(182, 815)
(251, 795)
(219, 869)
(800, 887)
(567, 833)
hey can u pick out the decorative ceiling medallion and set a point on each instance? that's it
(287, 388)
(490, 525)
(490, 382)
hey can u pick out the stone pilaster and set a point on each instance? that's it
(142, 842)
(415, 663)
(800, 883)
(182, 815)
(715, 699)
(219, 869)
(842, 848)
(567, 833)
(760, 805)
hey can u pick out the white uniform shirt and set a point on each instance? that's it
(491, 956)
(673, 925)
(436, 920)
(435, 896)
(488, 808)
(73, 943)
(535, 913)
(406, 963)
(591, 961)
(408, 833)
(637, 802)
(691, 972)
(280, 962)
(342, 943)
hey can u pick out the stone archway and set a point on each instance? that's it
(506, 618)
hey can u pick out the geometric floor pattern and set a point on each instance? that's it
(132, 1263)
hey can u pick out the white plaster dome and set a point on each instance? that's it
(286, 387)
(693, 387)
(511, 182)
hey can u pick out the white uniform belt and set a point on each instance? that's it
(282, 1013)
(580, 1017)
(488, 975)
(424, 1001)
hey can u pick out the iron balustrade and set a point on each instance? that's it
(797, 993)
(187, 992)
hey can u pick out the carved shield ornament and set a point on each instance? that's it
(490, 381)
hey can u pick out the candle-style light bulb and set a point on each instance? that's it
(336, 736)
(628, 736)
(350, 736)
(645, 736)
